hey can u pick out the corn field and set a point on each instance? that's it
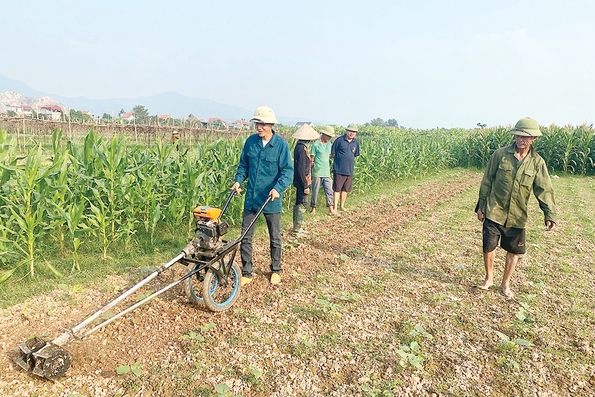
(92, 195)
(104, 194)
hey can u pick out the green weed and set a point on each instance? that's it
(134, 369)
(222, 390)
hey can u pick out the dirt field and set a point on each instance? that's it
(397, 271)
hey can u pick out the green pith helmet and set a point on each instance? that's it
(352, 127)
(526, 127)
(328, 131)
(264, 114)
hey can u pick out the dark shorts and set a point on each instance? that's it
(511, 239)
(342, 183)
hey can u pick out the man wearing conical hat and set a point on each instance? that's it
(512, 173)
(302, 177)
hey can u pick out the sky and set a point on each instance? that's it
(424, 63)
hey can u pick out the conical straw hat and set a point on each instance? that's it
(306, 133)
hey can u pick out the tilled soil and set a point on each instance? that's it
(330, 327)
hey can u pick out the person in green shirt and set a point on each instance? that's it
(512, 173)
(320, 152)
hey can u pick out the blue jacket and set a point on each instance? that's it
(266, 168)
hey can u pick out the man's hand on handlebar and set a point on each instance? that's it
(274, 194)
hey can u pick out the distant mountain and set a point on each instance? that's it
(11, 97)
(172, 103)
(7, 84)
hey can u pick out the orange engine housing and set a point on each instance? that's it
(207, 213)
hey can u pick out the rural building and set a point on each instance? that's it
(240, 125)
(217, 122)
(193, 120)
(52, 112)
(128, 116)
(162, 119)
(20, 110)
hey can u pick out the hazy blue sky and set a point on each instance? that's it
(424, 63)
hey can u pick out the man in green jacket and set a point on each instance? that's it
(512, 173)
(266, 163)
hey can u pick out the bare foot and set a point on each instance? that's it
(507, 292)
(343, 209)
(486, 285)
(313, 210)
(332, 210)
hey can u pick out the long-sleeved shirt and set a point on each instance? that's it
(302, 166)
(507, 185)
(266, 168)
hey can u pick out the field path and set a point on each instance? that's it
(352, 292)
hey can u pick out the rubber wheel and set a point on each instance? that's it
(194, 288)
(218, 297)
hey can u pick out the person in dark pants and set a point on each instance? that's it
(302, 177)
(512, 174)
(266, 163)
(344, 151)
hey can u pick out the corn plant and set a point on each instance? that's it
(74, 216)
(154, 216)
(28, 194)
(566, 146)
(135, 191)
(99, 219)
(174, 213)
(584, 147)
(547, 147)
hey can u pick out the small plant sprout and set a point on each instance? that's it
(349, 297)
(253, 376)
(418, 330)
(206, 327)
(522, 314)
(327, 305)
(222, 390)
(306, 341)
(341, 258)
(133, 368)
(193, 336)
(410, 355)
(71, 289)
(144, 295)
(509, 344)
